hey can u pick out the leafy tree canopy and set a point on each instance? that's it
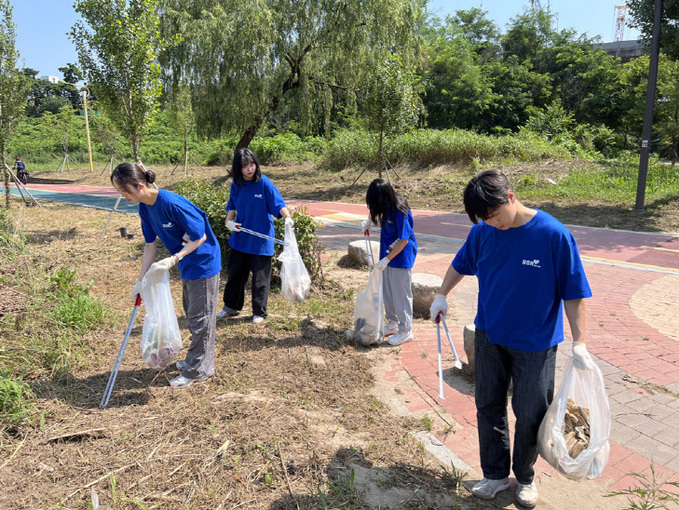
(642, 15)
(243, 58)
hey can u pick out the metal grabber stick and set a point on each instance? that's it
(369, 251)
(440, 319)
(119, 359)
(263, 236)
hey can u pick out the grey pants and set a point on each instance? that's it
(200, 306)
(397, 284)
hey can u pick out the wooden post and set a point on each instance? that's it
(87, 129)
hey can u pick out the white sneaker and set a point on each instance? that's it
(227, 312)
(391, 328)
(400, 338)
(256, 319)
(527, 495)
(182, 382)
(487, 489)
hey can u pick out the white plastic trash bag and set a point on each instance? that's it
(160, 338)
(586, 390)
(369, 313)
(295, 281)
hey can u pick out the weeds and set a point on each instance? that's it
(649, 494)
(16, 405)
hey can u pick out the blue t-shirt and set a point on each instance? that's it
(255, 203)
(399, 226)
(176, 221)
(524, 274)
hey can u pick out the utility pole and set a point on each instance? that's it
(648, 113)
(87, 129)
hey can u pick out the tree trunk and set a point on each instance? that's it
(6, 178)
(248, 135)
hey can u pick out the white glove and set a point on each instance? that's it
(365, 225)
(289, 222)
(162, 265)
(439, 306)
(136, 290)
(382, 264)
(581, 358)
(233, 226)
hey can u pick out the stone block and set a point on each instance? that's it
(425, 287)
(468, 335)
(357, 251)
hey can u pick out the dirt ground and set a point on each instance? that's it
(295, 417)
(292, 418)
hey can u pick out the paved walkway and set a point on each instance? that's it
(632, 329)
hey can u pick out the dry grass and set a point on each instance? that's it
(290, 412)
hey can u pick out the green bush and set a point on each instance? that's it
(16, 405)
(430, 147)
(213, 199)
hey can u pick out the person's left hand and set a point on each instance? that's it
(581, 358)
(162, 265)
(382, 264)
(289, 222)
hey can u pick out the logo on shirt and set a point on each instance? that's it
(169, 224)
(258, 195)
(532, 263)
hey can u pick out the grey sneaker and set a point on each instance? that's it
(391, 328)
(487, 489)
(527, 495)
(227, 312)
(256, 319)
(400, 338)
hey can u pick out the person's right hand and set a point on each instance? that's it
(365, 225)
(136, 290)
(233, 226)
(439, 306)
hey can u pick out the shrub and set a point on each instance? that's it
(213, 199)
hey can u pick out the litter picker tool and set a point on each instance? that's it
(119, 359)
(263, 236)
(458, 364)
(369, 250)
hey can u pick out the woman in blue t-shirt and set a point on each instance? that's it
(398, 249)
(253, 201)
(184, 230)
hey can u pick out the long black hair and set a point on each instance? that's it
(241, 158)
(383, 200)
(131, 174)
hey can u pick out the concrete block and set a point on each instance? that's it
(357, 251)
(425, 287)
(468, 335)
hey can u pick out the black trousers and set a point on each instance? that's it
(240, 266)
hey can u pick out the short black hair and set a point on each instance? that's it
(244, 157)
(485, 193)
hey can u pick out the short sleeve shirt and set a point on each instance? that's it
(399, 226)
(176, 221)
(256, 204)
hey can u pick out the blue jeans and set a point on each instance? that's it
(532, 373)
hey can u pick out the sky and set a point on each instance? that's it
(42, 25)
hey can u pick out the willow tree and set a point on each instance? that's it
(243, 58)
(118, 42)
(14, 88)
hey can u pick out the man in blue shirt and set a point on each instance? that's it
(527, 264)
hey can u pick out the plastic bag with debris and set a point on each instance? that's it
(160, 338)
(369, 313)
(295, 280)
(573, 436)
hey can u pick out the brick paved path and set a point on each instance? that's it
(633, 332)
